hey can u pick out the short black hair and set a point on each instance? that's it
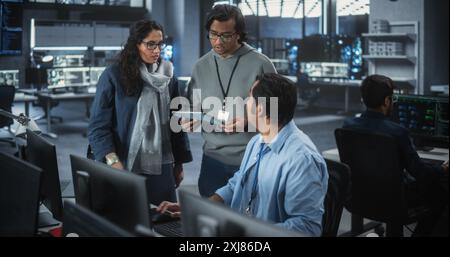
(275, 85)
(374, 89)
(224, 12)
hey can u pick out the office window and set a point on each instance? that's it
(281, 8)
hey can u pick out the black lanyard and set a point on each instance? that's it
(225, 93)
(255, 181)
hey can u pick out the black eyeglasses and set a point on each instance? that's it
(152, 45)
(224, 38)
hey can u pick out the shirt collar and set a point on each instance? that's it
(278, 141)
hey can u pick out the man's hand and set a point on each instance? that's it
(236, 125)
(173, 208)
(216, 198)
(178, 174)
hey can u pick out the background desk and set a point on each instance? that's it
(347, 84)
(47, 98)
(324, 82)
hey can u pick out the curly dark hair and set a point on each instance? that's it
(129, 58)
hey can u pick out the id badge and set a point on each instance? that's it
(248, 211)
(223, 115)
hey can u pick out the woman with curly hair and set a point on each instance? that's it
(129, 127)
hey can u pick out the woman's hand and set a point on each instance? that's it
(236, 125)
(118, 165)
(190, 125)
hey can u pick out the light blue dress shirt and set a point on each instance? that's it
(291, 186)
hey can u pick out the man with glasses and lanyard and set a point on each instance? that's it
(228, 70)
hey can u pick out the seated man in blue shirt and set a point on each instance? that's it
(423, 181)
(282, 178)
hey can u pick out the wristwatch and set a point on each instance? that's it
(111, 159)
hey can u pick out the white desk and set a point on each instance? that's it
(439, 154)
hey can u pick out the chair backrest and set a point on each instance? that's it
(6, 101)
(338, 189)
(377, 191)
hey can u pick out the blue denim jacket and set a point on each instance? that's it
(113, 115)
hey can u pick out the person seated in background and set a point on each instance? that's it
(282, 177)
(422, 180)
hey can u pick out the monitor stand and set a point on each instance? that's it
(46, 219)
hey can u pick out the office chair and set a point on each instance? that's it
(6, 101)
(338, 189)
(377, 188)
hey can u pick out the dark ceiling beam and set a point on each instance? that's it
(298, 7)
(312, 7)
(254, 13)
(265, 7)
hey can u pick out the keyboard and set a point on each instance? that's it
(164, 224)
(170, 229)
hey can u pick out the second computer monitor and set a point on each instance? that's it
(119, 196)
(205, 218)
(425, 117)
(19, 196)
(42, 153)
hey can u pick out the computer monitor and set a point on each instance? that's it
(203, 217)
(19, 196)
(81, 222)
(425, 117)
(42, 153)
(119, 196)
(68, 77)
(9, 78)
